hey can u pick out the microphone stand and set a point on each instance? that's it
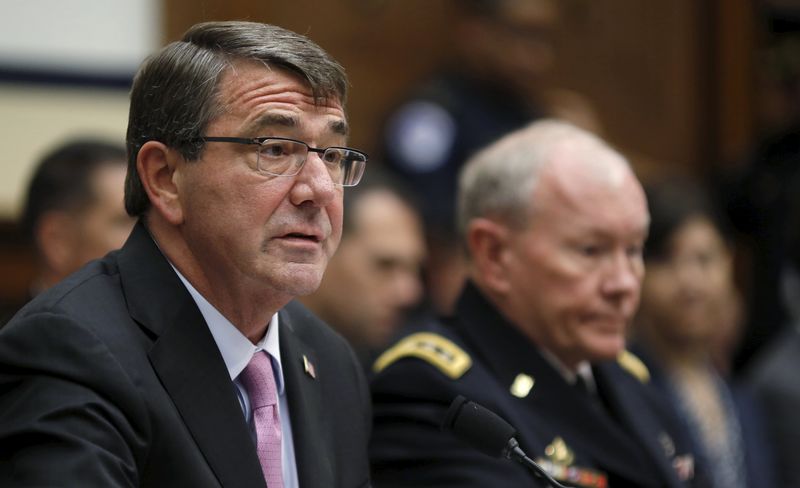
(513, 451)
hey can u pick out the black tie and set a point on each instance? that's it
(582, 386)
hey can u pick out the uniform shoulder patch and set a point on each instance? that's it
(634, 366)
(439, 351)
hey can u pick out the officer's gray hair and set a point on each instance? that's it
(174, 94)
(499, 181)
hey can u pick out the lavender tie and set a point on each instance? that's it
(259, 381)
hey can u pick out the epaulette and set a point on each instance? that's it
(433, 348)
(634, 366)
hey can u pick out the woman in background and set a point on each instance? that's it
(689, 306)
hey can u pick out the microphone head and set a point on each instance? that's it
(479, 427)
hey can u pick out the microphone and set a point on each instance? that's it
(490, 434)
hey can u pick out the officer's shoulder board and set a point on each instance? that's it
(432, 348)
(634, 366)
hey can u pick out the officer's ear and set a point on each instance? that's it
(488, 242)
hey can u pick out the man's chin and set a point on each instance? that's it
(301, 280)
(303, 289)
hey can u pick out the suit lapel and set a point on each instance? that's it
(311, 443)
(188, 363)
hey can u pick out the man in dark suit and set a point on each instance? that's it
(772, 374)
(181, 360)
(554, 222)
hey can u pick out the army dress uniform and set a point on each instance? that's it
(620, 438)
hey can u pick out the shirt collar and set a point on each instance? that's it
(584, 369)
(235, 348)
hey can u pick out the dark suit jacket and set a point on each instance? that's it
(112, 378)
(773, 376)
(629, 440)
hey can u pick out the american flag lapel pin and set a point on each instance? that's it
(308, 366)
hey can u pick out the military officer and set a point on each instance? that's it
(554, 222)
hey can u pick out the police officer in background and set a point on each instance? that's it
(493, 86)
(554, 222)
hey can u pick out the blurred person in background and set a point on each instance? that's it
(759, 189)
(73, 209)
(688, 308)
(495, 84)
(772, 372)
(374, 280)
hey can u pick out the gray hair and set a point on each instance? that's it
(175, 93)
(499, 181)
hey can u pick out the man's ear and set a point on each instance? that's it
(55, 236)
(488, 244)
(156, 164)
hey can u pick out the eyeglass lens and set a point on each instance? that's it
(285, 158)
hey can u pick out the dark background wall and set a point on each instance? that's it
(669, 80)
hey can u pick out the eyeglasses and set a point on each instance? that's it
(278, 156)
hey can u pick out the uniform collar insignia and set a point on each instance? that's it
(559, 453)
(522, 385)
(308, 367)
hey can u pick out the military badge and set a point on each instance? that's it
(558, 463)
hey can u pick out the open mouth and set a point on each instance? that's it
(299, 235)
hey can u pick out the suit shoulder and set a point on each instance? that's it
(71, 297)
(431, 347)
(776, 361)
(297, 312)
(305, 325)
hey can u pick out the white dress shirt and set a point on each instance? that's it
(237, 351)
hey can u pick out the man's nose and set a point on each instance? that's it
(314, 183)
(624, 275)
(406, 287)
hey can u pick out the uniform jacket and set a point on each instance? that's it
(112, 378)
(625, 440)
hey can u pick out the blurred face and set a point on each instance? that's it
(104, 225)
(375, 276)
(253, 233)
(685, 292)
(519, 43)
(575, 272)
